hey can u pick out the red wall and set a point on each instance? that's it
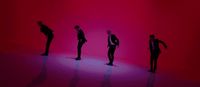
(174, 21)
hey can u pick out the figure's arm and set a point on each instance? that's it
(163, 43)
(82, 36)
(117, 41)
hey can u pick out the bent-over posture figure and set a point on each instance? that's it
(48, 33)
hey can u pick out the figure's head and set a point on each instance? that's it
(77, 27)
(108, 32)
(152, 37)
(40, 23)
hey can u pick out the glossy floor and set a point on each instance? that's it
(61, 70)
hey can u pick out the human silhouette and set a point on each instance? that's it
(154, 51)
(113, 41)
(81, 40)
(48, 33)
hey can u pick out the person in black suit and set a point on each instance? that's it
(81, 40)
(154, 51)
(48, 33)
(113, 41)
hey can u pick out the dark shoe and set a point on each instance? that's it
(78, 58)
(109, 64)
(154, 71)
(44, 54)
(150, 70)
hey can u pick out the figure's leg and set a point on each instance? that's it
(79, 49)
(112, 54)
(109, 55)
(155, 61)
(155, 65)
(80, 44)
(151, 62)
(49, 40)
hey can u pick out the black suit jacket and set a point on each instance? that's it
(46, 30)
(81, 36)
(156, 45)
(114, 40)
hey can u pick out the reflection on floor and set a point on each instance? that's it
(61, 70)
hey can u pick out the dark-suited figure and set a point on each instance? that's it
(113, 41)
(154, 51)
(81, 40)
(48, 33)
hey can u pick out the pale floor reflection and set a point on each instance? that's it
(151, 80)
(76, 77)
(106, 81)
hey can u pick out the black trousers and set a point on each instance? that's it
(49, 40)
(153, 60)
(111, 51)
(80, 44)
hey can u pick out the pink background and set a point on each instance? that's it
(174, 21)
